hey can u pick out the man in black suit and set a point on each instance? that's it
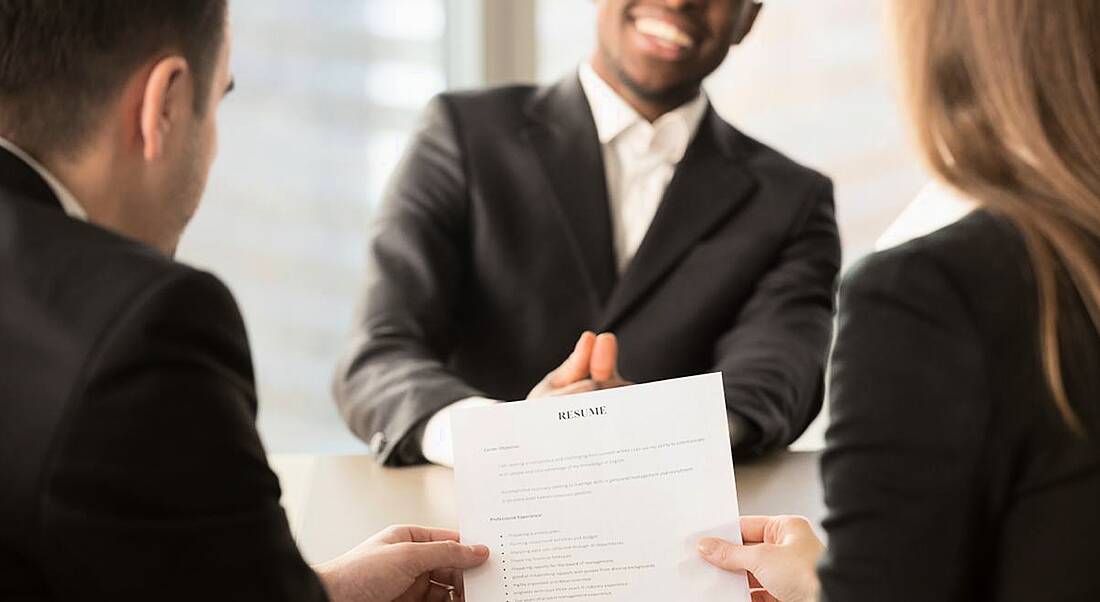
(130, 463)
(616, 200)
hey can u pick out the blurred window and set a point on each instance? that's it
(327, 93)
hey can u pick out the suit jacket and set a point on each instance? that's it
(492, 252)
(130, 463)
(949, 473)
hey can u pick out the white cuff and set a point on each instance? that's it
(437, 444)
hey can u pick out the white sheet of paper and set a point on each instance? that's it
(601, 496)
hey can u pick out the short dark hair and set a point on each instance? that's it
(62, 61)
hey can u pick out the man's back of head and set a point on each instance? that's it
(116, 99)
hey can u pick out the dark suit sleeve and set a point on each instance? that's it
(773, 359)
(158, 487)
(909, 405)
(395, 375)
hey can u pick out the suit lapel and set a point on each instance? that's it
(708, 185)
(564, 136)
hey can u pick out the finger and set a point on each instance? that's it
(460, 585)
(448, 576)
(753, 528)
(437, 593)
(575, 367)
(789, 528)
(421, 558)
(421, 589)
(614, 383)
(605, 358)
(730, 556)
(583, 386)
(452, 577)
(415, 533)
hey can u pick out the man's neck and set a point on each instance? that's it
(102, 200)
(106, 201)
(650, 108)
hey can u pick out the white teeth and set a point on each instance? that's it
(664, 31)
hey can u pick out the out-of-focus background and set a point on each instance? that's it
(327, 93)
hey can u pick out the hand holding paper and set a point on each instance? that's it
(604, 495)
(779, 552)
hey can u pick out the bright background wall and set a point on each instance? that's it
(328, 92)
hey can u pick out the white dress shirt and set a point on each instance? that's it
(639, 159)
(68, 201)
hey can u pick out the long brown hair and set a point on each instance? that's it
(1005, 101)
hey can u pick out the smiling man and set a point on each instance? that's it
(615, 201)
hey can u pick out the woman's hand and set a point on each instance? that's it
(780, 554)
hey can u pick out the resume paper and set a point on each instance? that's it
(600, 496)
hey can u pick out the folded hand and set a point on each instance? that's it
(593, 365)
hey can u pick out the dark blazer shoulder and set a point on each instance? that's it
(494, 108)
(135, 282)
(981, 255)
(86, 280)
(492, 96)
(72, 251)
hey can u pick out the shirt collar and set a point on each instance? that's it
(69, 203)
(614, 116)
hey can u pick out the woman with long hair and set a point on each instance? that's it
(963, 462)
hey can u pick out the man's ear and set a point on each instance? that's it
(748, 18)
(166, 97)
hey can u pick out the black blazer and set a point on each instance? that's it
(130, 464)
(949, 474)
(492, 252)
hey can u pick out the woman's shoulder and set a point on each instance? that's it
(979, 255)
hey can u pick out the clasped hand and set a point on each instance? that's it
(593, 365)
